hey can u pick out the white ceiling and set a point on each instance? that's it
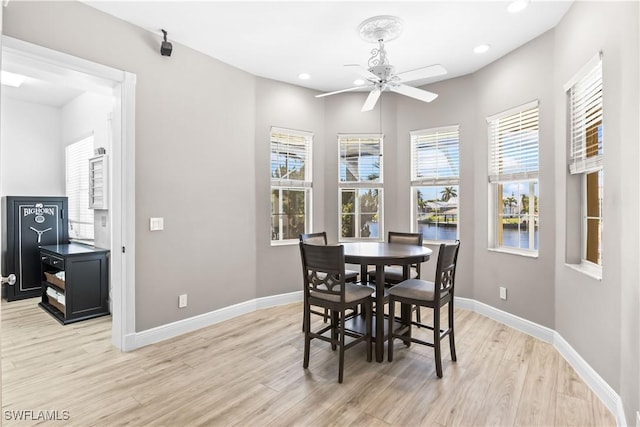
(279, 40)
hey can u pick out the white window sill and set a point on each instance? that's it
(519, 252)
(289, 242)
(437, 242)
(592, 270)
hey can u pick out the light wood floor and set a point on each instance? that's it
(248, 372)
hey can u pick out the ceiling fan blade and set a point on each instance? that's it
(362, 72)
(371, 100)
(338, 91)
(413, 92)
(422, 73)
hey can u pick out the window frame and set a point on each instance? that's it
(281, 185)
(585, 116)
(78, 199)
(361, 185)
(419, 182)
(499, 175)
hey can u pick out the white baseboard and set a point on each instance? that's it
(599, 386)
(171, 330)
(523, 325)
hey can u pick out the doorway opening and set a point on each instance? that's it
(62, 100)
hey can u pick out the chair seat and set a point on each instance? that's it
(352, 292)
(394, 273)
(415, 289)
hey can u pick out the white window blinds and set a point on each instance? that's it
(77, 157)
(290, 158)
(435, 156)
(513, 141)
(360, 159)
(584, 94)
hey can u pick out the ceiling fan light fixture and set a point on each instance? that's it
(517, 6)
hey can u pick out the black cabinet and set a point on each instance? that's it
(28, 222)
(75, 281)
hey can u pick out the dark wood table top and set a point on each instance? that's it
(380, 253)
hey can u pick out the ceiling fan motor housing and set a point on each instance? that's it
(382, 71)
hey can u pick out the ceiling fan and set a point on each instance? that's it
(380, 74)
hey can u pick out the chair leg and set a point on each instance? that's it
(368, 308)
(341, 363)
(307, 339)
(334, 329)
(436, 340)
(326, 315)
(418, 315)
(392, 306)
(452, 341)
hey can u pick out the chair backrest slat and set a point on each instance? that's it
(323, 269)
(405, 238)
(446, 268)
(319, 238)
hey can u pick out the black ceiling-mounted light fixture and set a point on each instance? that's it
(165, 47)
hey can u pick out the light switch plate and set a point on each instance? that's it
(156, 224)
(503, 293)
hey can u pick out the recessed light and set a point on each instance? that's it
(517, 5)
(11, 79)
(481, 48)
(358, 82)
(304, 76)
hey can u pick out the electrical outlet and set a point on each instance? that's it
(503, 293)
(182, 301)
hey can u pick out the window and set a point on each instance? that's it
(584, 97)
(360, 187)
(290, 184)
(77, 157)
(513, 178)
(435, 177)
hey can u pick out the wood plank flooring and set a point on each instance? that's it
(248, 372)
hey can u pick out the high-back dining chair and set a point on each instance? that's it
(434, 295)
(325, 286)
(320, 238)
(394, 274)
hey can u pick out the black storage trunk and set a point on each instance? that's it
(29, 222)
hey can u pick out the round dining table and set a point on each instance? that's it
(380, 254)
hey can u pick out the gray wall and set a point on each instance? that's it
(292, 107)
(190, 108)
(517, 78)
(600, 319)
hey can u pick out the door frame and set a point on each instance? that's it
(121, 85)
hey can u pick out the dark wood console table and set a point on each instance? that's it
(84, 292)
